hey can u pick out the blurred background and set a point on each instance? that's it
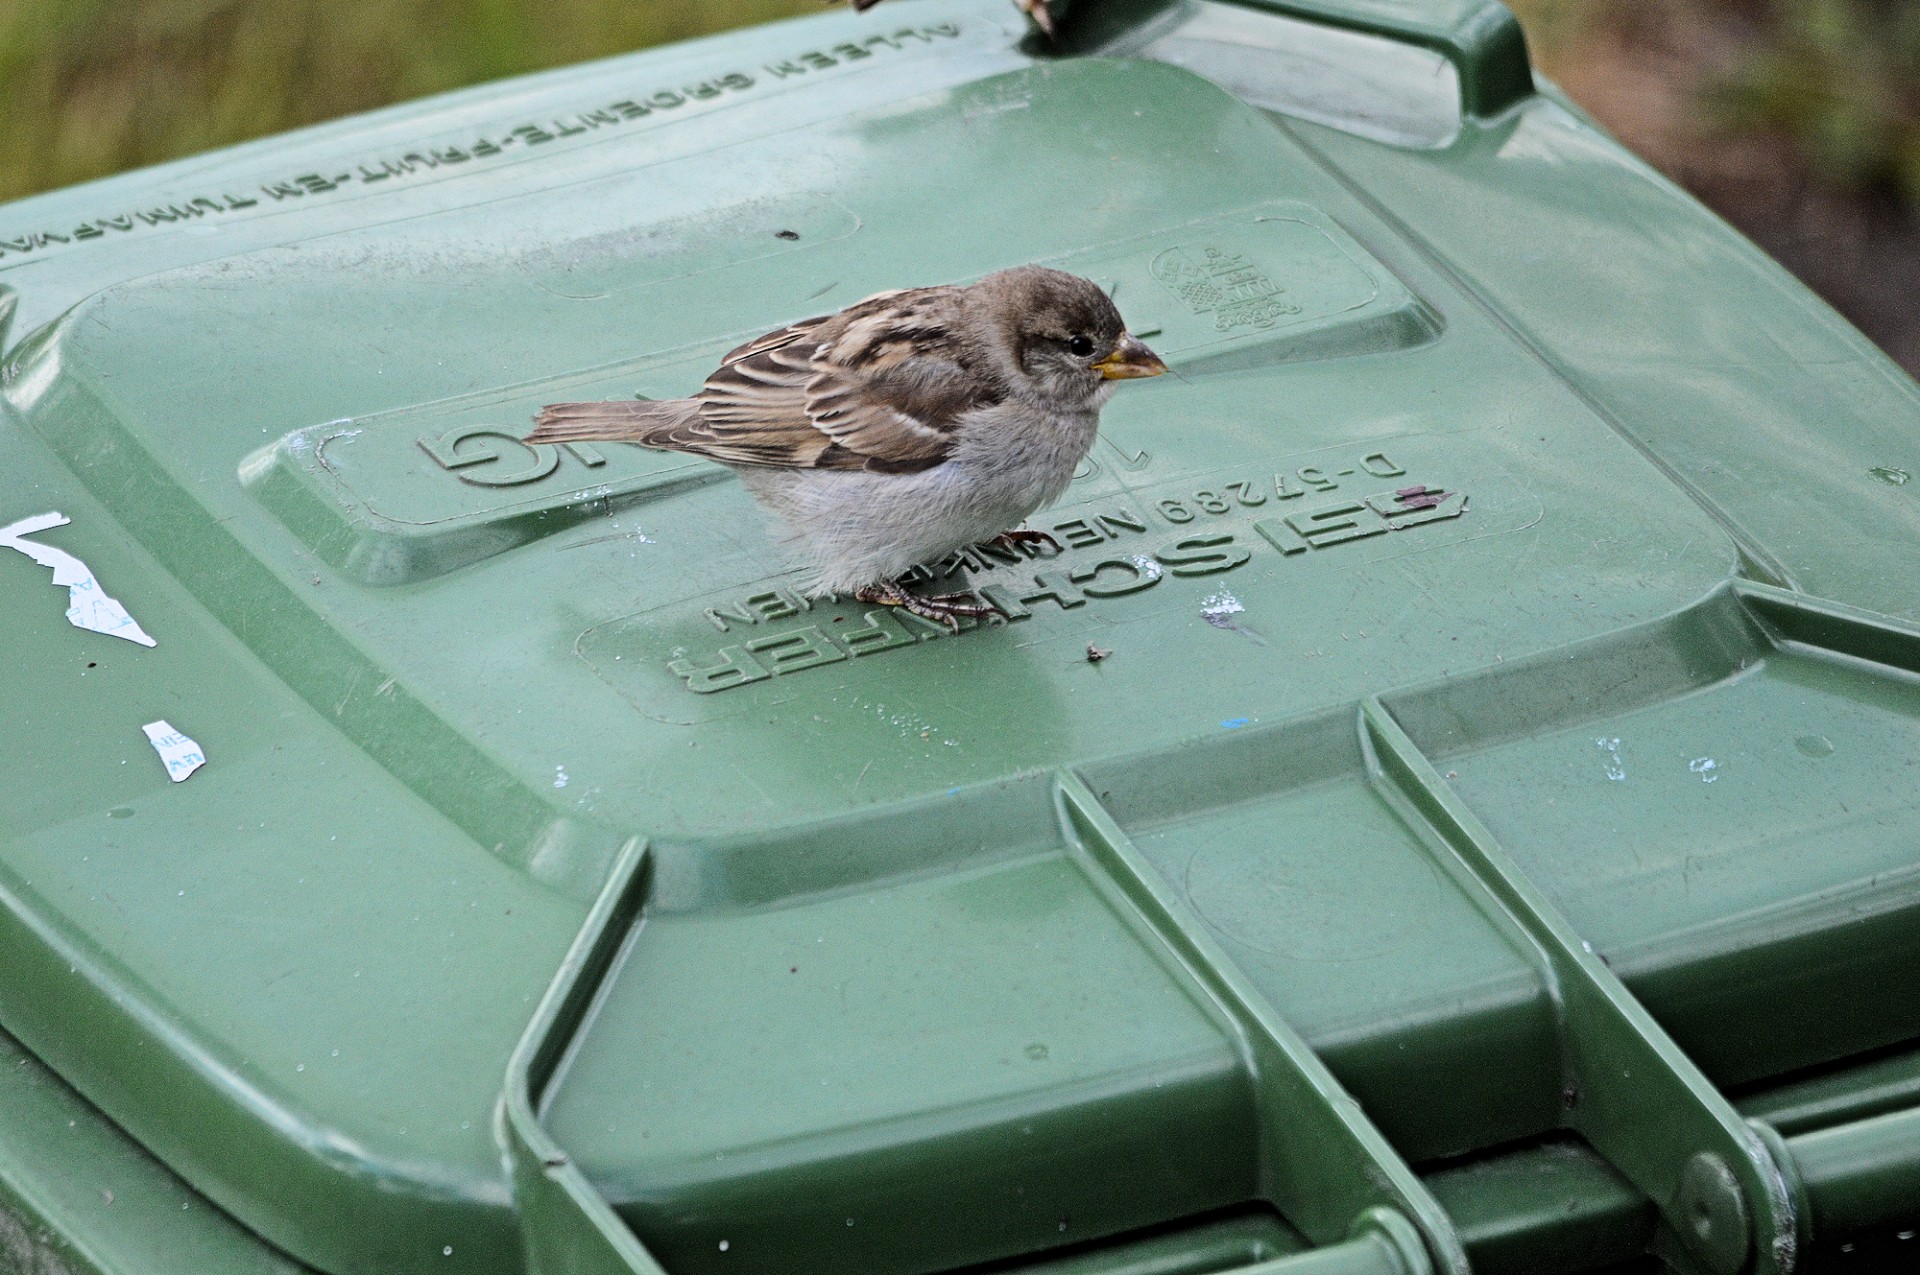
(1797, 120)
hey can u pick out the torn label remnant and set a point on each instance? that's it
(88, 606)
(180, 753)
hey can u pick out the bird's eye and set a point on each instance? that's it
(1080, 346)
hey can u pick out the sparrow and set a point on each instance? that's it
(908, 425)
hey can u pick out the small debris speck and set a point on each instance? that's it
(1219, 609)
(1610, 745)
(789, 236)
(1096, 653)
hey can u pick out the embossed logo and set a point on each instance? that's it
(1225, 284)
(487, 456)
(1139, 561)
(1105, 554)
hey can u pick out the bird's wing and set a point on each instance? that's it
(880, 386)
(619, 421)
(776, 338)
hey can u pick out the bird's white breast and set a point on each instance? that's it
(857, 528)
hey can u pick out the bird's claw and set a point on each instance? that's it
(1021, 536)
(946, 608)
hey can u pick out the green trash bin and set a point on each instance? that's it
(1490, 841)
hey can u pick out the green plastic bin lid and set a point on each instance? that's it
(1505, 744)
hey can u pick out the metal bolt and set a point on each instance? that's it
(1710, 1213)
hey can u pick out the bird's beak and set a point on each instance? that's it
(1129, 359)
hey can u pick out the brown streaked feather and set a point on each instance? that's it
(879, 386)
(776, 338)
(793, 332)
(630, 421)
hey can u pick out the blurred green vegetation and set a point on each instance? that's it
(90, 87)
(1837, 80)
(1841, 79)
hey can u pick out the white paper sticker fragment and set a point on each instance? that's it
(181, 754)
(88, 606)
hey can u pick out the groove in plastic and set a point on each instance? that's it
(1632, 1093)
(1324, 1165)
(567, 1226)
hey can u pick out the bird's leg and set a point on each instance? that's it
(1021, 536)
(947, 608)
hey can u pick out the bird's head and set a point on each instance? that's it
(1062, 336)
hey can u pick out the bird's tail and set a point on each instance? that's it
(626, 420)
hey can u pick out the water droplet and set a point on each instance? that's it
(1705, 767)
(724, 1246)
(1036, 1051)
(1219, 609)
(299, 1066)
(1610, 745)
(1814, 745)
(447, 1251)
(1890, 476)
